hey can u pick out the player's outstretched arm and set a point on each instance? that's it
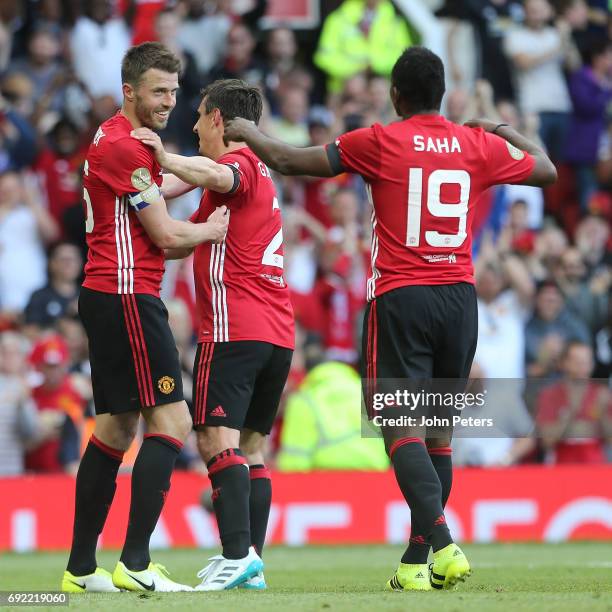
(283, 158)
(544, 171)
(198, 171)
(169, 233)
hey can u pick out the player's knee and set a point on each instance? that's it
(440, 442)
(119, 435)
(170, 419)
(213, 440)
(252, 444)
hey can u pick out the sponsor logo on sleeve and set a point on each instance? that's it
(514, 152)
(141, 178)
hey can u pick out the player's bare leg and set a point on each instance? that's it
(228, 471)
(95, 489)
(168, 426)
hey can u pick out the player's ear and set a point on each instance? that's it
(128, 92)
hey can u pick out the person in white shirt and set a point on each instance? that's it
(98, 43)
(538, 53)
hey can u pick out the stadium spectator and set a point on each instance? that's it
(98, 42)
(59, 166)
(204, 35)
(360, 35)
(239, 60)
(18, 416)
(591, 91)
(585, 298)
(509, 440)
(575, 414)
(25, 226)
(291, 124)
(322, 425)
(17, 137)
(341, 290)
(505, 292)
(42, 65)
(60, 409)
(603, 347)
(551, 325)
(538, 52)
(280, 61)
(592, 236)
(58, 298)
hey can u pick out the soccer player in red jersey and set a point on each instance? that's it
(246, 329)
(134, 362)
(424, 176)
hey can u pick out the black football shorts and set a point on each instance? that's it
(133, 356)
(419, 332)
(239, 384)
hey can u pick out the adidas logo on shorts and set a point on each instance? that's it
(218, 412)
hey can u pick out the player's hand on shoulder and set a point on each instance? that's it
(486, 124)
(151, 139)
(237, 129)
(218, 221)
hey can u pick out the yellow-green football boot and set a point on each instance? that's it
(100, 581)
(449, 567)
(410, 577)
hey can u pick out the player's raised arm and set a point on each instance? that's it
(543, 172)
(284, 158)
(198, 170)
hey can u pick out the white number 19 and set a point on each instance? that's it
(438, 209)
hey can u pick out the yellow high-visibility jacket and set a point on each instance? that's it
(322, 425)
(344, 50)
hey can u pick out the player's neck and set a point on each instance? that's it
(408, 114)
(221, 149)
(131, 116)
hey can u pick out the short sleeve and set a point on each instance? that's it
(358, 152)
(506, 163)
(129, 167)
(243, 178)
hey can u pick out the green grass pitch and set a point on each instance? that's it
(573, 577)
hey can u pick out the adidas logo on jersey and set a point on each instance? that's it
(420, 575)
(218, 412)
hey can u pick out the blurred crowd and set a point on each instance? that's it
(542, 258)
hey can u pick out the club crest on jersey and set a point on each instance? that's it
(141, 178)
(514, 152)
(166, 385)
(436, 145)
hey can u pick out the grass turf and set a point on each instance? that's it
(506, 577)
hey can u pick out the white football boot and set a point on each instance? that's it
(222, 574)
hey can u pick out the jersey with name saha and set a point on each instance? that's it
(424, 176)
(122, 258)
(241, 293)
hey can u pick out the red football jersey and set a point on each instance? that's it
(240, 290)
(122, 258)
(424, 177)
